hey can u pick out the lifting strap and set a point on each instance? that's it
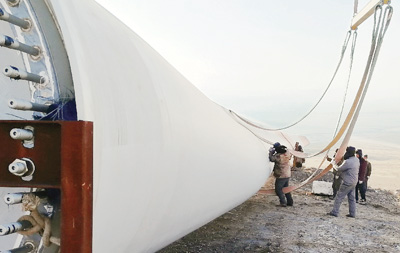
(378, 33)
(344, 47)
(379, 30)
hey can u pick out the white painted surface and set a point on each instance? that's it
(167, 159)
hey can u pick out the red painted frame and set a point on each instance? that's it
(63, 157)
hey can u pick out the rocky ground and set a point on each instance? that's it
(259, 225)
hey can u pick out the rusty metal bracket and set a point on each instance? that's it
(63, 158)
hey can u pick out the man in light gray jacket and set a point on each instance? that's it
(349, 174)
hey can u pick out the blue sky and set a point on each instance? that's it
(271, 60)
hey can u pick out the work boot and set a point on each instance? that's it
(332, 214)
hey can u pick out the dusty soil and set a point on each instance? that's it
(259, 225)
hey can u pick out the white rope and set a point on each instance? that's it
(355, 7)
(378, 33)
(353, 46)
(344, 47)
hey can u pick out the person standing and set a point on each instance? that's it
(337, 180)
(369, 169)
(298, 161)
(349, 173)
(296, 147)
(282, 167)
(361, 177)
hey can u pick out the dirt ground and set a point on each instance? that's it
(259, 225)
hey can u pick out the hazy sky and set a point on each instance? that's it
(272, 60)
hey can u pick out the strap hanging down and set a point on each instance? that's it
(379, 31)
(344, 47)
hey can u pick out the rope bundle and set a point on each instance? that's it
(40, 223)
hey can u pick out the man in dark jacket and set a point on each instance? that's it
(281, 159)
(369, 169)
(337, 180)
(362, 175)
(349, 174)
